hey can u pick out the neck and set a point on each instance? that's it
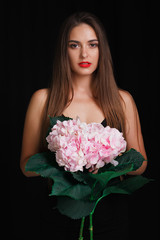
(82, 83)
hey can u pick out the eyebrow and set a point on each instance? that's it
(93, 40)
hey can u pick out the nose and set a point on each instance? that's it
(84, 52)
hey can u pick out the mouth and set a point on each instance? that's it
(84, 64)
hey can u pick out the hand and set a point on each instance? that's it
(93, 170)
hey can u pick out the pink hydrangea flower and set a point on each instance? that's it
(78, 145)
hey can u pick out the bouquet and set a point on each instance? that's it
(74, 147)
(79, 145)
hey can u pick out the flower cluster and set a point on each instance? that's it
(78, 145)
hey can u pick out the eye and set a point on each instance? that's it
(93, 45)
(73, 45)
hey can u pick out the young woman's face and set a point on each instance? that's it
(83, 50)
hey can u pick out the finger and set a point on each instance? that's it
(95, 171)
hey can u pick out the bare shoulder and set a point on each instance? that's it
(38, 102)
(126, 96)
(40, 95)
(39, 98)
(127, 100)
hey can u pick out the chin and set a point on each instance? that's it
(84, 72)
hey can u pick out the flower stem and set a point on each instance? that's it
(91, 226)
(81, 229)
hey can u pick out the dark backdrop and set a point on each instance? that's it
(30, 34)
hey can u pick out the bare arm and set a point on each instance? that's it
(32, 129)
(134, 136)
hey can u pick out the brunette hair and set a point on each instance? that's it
(104, 88)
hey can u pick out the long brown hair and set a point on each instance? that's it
(104, 88)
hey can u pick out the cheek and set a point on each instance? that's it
(72, 58)
(95, 56)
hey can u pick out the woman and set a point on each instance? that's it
(83, 85)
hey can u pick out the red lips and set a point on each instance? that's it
(85, 64)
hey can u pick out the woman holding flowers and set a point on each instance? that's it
(83, 85)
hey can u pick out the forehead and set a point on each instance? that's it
(82, 32)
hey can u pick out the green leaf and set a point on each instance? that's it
(99, 181)
(44, 164)
(74, 209)
(104, 177)
(62, 184)
(74, 191)
(102, 180)
(127, 186)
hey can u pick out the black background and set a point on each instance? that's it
(31, 29)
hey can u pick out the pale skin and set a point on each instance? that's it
(82, 46)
